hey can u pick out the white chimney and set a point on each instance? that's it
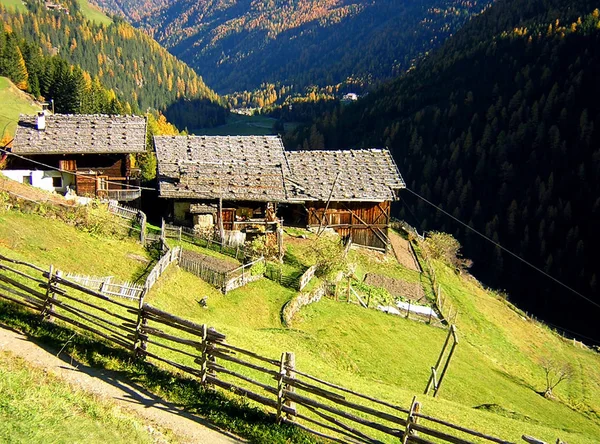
(41, 121)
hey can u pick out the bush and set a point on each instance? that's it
(328, 255)
(444, 247)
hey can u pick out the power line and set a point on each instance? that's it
(74, 173)
(504, 249)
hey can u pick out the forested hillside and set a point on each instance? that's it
(244, 44)
(64, 56)
(501, 128)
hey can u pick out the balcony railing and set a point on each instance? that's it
(121, 195)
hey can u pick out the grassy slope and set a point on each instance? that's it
(16, 4)
(36, 407)
(376, 353)
(67, 248)
(91, 12)
(14, 102)
(240, 125)
(494, 367)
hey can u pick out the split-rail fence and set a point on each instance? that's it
(323, 408)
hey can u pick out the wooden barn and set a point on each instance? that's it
(88, 154)
(241, 178)
(238, 183)
(349, 191)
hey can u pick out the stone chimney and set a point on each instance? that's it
(41, 121)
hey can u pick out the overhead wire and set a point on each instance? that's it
(572, 290)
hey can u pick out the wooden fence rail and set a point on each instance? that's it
(307, 401)
(306, 277)
(170, 256)
(108, 286)
(184, 234)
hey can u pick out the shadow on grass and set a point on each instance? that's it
(151, 386)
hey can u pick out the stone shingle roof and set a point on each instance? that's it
(257, 168)
(232, 167)
(81, 134)
(364, 175)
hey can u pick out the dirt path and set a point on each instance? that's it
(186, 427)
(403, 252)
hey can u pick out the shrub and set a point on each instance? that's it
(444, 247)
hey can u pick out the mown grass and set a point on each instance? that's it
(70, 249)
(491, 385)
(17, 5)
(203, 250)
(226, 410)
(38, 407)
(14, 101)
(92, 13)
(240, 125)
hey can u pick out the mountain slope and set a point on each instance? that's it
(241, 44)
(120, 57)
(501, 128)
(14, 102)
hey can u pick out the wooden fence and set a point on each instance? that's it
(185, 234)
(107, 286)
(225, 281)
(131, 214)
(306, 277)
(274, 272)
(447, 311)
(171, 255)
(318, 406)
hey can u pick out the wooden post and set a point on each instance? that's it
(430, 313)
(204, 357)
(51, 295)
(290, 366)
(179, 234)
(453, 333)
(282, 373)
(221, 229)
(415, 407)
(408, 311)
(348, 290)
(142, 218)
(139, 343)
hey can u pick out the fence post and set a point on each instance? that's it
(139, 341)
(280, 397)
(408, 311)
(48, 310)
(142, 220)
(204, 357)
(348, 290)
(415, 407)
(290, 366)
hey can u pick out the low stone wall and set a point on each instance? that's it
(293, 306)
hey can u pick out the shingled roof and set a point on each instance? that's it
(232, 167)
(364, 175)
(81, 134)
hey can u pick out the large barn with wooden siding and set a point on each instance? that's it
(89, 154)
(243, 180)
(350, 191)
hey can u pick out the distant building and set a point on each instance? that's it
(350, 97)
(87, 154)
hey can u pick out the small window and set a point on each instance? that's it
(27, 180)
(57, 182)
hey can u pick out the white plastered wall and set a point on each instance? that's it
(42, 179)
